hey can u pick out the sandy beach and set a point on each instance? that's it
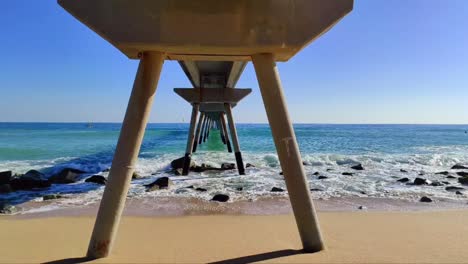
(351, 237)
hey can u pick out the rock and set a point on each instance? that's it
(5, 177)
(99, 179)
(453, 188)
(281, 173)
(178, 172)
(228, 166)
(361, 207)
(357, 167)
(316, 173)
(458, 193)
(421, 181)
(322, 177)
(179, 163)
(160, 183)
(403, 180)
(443, 173)
(462, 173)
(31, 180)
(329, 169)
(276, 189)
(362, 192)
(451, 177)
(7, 209)
(459, 167)
(201, 189)
(463, 180)
(402, 170)
(203, 168)
(305, 163)
(425, 199)
(248, 165)
(316, 190)
(189, 187)
(5, 188)
(347, 173)
(220, 198)
(51, 197)
(239, 189)
(65, 176)
(436, 183)
(136, 176)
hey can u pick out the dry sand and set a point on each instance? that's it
(359, 237)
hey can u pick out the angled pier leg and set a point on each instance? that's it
(235, 141)
(288, 152)
(126, 154)
(202, 132)
(221, 132)
(206, 129)
(197, 134)
(225, 132)
(190, 140)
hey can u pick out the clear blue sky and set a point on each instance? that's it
(389, 61)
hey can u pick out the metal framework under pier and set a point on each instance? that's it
(212, 40)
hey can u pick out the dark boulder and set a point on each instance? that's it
(179, 163)
(362, 207)
(178, 172)
(421, 181)
(7, 209)
(402, 170)
(65, 176)
(276, 189)
(201, 189)
(239, 189)
(51, 197)
(459, 167)
(443, 173)
(99, 179)
(248, 165)
(189, 187)
(462, 173)
(436, 183)
(160, 183)
(451, 177)
(347, 173)
(463, 180)
(220, 198)
(281, 173)
(403, 180)
(458, 193)
(322, 177)
(5, 177)
(202, 168)
(316, 190)
(316, 173)
(31, 180)
(5, 188)
(454, 188)
(425, 199)
(357, 167)
(228, 166)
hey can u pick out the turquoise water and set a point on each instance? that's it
(329, 149)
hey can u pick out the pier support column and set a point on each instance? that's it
(225, 132)
(126, 154)
(221, 132)
(205, 134)
(235, 141)
(190, 139)
(288, 151)
(202, 132)
(197, 134)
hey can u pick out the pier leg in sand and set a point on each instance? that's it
(288, 151)
(197, 134)
(126, 154)
(225, 132)
(235, 140)
(190, 140)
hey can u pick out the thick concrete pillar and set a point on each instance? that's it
(225, 132)
(235, 141)
(197, 134)
(288, 151)
(207, 125)
(221, 132)
(202, 132)
(126, 154)
(190, 139)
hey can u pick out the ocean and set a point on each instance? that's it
(383, 150)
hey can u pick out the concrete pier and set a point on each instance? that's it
(235, 140)
(190, 139)
(225, 132)
(126, 154)
(197, 134)
(288, 151)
